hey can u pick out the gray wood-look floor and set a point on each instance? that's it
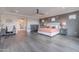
(35, 42)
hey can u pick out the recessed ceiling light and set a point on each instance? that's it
(63, 7)
(16, 11)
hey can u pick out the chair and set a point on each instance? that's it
(12, 32)
(3, 32)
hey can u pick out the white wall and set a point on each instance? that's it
(32, 20)
(9, 19)
(14, 17)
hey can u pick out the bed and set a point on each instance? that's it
(48, 31)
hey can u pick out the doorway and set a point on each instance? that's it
(21, 25)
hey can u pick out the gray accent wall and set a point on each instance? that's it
(72, 25)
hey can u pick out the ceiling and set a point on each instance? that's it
(47, 11)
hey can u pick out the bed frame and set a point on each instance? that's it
(48, 33)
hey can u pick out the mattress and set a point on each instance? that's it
(48, 31)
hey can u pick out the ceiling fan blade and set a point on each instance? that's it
(37, 11)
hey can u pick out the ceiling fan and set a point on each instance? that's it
(39, 13)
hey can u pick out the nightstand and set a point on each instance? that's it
(63, 31)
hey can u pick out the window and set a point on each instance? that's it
(53, 19)
(72, 16)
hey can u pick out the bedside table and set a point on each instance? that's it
(63, 31)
